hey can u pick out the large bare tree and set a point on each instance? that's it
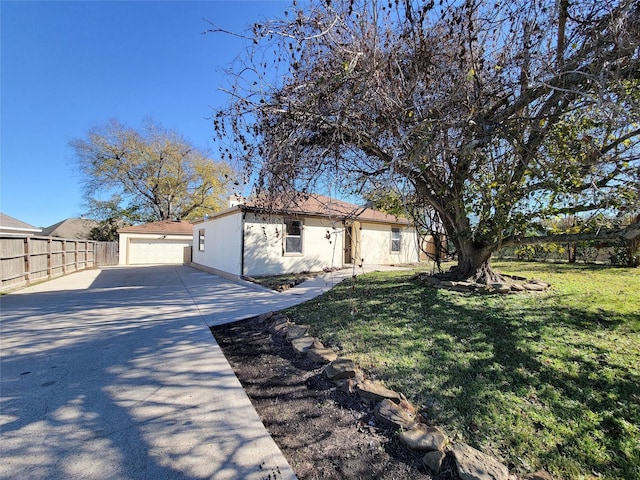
(153, 174)
(493, 114)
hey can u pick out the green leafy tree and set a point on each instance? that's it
(471, 104)
(153, 174)
(111, 217)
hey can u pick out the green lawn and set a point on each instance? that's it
(547, 380)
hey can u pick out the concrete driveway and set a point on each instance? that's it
(113, 374)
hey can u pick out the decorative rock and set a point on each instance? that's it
(516, 287)
(302, 344)
(539, 475)
(424, 438)
(376, 392)
(474, 465)
(265, 316)
(460, 288)
(468, 285)
(348, 385)
(433, 461)
(321, 355)
(392, 415)
(280, 324)
(405, 404)
(501, 287)
(297, 331)
(340, 368)
(534, 287)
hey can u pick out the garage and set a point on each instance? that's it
(156, 243)
(143, 251)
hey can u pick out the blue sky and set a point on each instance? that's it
(68, 66)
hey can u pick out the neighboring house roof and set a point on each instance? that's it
(165, 227)
(73, 228)
(319, 205)
(14, 226)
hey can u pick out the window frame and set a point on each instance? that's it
(287, 235)
(201, 235)
(398, 240)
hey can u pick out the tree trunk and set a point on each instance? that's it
(633, 252)
(572, 250)
(474, 265)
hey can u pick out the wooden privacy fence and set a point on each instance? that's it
(106, 253)
(25, 260)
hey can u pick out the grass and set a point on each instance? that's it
(547, 380)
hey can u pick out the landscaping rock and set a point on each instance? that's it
(472, 464)
(468, 286)
(347, 385)
(460, 288)
(423, 438)
(279, 324)
(265, 316)
(321, 355)
(534, 287)
(297, 331)
(302, 344)
(405, 404)
(340, 368)
(501, 287)
(376, 392)
(392, 415)
(516, 287)
(433, 461)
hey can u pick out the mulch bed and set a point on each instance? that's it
(323, 432)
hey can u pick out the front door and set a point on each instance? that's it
(348, 244)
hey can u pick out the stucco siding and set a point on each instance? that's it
(375, 244)
(222, 244)
(264, 247)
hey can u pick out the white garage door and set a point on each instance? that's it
(142, 251)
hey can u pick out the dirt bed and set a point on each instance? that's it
(323, 432)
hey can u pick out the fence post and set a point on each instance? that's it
(27, 260)
(49, 262)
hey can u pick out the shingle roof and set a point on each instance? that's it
(319, 205)
(165, 227)
(74, 228)
(11, 223)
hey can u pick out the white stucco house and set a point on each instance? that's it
(308, 234)
(165, 242)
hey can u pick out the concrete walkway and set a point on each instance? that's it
(113, 374)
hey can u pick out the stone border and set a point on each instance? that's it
(392, 409)
(516, 285)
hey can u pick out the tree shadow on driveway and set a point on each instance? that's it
(123, 380)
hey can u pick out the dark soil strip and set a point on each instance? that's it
(323, 432)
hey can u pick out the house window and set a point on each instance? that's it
(201, 240)
(293, 237)
(396, 240)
